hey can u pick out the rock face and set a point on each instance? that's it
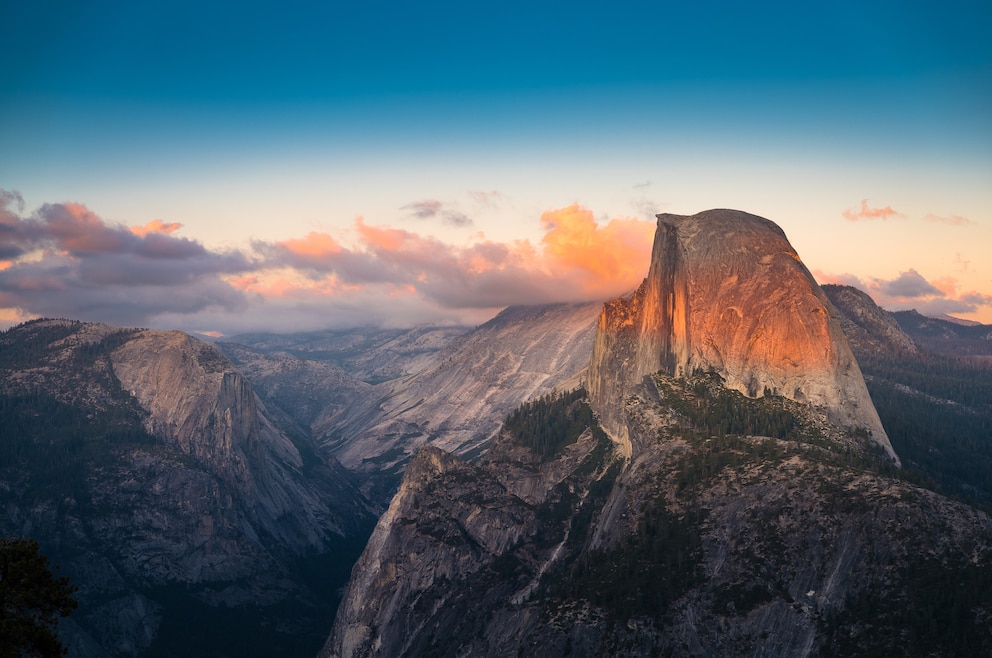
(437, 387)
(698, 544)
(143, 461)
(868, 328)
(727, 292)
(460, 400)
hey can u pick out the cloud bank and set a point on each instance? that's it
(63, 260)
(910, 290)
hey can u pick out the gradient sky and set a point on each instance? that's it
(223, 167)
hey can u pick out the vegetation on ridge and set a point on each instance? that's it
(551, 422)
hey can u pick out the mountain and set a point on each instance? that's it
(727, 292)
(453, 395)
(144, 463)
(870, 329)
(932, 387)
(717, 492)
(369, 354)
(949, 338)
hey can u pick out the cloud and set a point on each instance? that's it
(491, 199)
(839, 279)
(911, 290)
(953, 220)
(908, 285)
(64, 260)
(432, 208)
(646, 208)
(424, 209)
(577, 260)
(867, 213)
(155, 226)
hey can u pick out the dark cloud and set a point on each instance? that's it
(432, 208)
(91, 270)
(456, 218)
(908, 284)
(976, 299)
(423, 209)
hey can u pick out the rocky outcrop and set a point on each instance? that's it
(727, 292)
(736, 545)
(143, 461)
(868, 328)
(448, 526)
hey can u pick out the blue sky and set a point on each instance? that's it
(863, 129)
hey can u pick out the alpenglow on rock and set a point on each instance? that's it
(727, 292)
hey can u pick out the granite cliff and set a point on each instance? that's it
(712, 539)
(442, 387)
(727, 293)
(145, 464)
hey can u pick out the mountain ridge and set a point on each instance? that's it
(145, 464)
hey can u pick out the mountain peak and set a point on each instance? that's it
(726, 292)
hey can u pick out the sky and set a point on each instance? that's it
(229, 167)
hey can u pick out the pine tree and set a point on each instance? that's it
(31, 600)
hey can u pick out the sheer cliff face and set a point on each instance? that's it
(727, 292)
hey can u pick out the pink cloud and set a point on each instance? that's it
(953, 220)
(866, 212)
(613, 256)
(64, 260)
(82, 267)
(577, 260)
(155, 226)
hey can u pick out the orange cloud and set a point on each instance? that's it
(155, 226)
(866, 212)
(577, 260)
(616, 254)
(947, 285)
(314, 245)
(381, 237)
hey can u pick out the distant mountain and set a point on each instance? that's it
(963, 341)
(725, 489)
(369, 354)
(960, 321)
(449, 389)
(144, 463)
(931, 382)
